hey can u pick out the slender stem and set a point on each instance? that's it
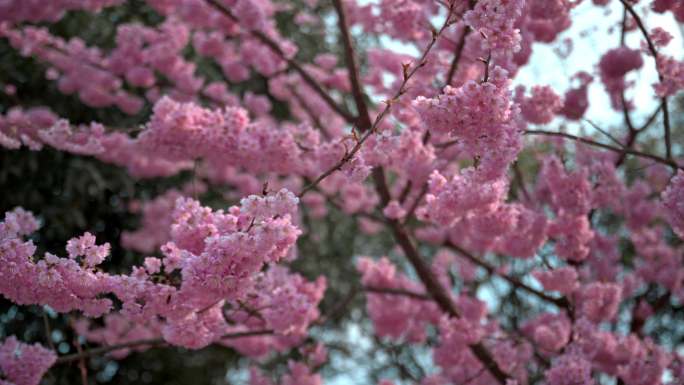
(590, 142)
(48, 331)
(606, 133)
(460, 45)
(457, 56)
(560, 302)
(338, 166)
(521, 181)
(399, 292)
(151, 342)
(352, 67)
(416, 202)
(429, 280)
(369, 130)
(401, 236)
(654, 52)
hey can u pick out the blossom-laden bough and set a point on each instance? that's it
(425, 146)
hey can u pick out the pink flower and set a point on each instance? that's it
(673, 202)
(23, 364)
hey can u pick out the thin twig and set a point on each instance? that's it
(416, 202)
(151, 342)
(48, 331)
(397, 292)
(369, 130)
(590, 142)
(604, 132)
(560, 302)
(654, 52)
(459, 50)
(521, 181)
(352, 67)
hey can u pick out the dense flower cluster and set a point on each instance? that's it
(23, 364)
(614, 65)
(674, 205)
(37, 10)
(395, 316)
(576, 247)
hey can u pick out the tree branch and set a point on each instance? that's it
(427, 277)
(275, 47)
(352, 67)
(369, 130)
(590, 142)
(399, 292)
(560, 302)
(654, 52)
(152, 342)
(459, 49)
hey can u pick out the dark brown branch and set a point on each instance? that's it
(605, 133)
(338, 309)
(369, 130)
(521, 181)
(152, 342)
(459, 50)
(632, 136)
(654, 52)
(338, 166)
(399, 292)
(492, 270)
(314, 118)
(429, 280)
(352, 67)
(625, 110)
(416, 202)
(275, 47)
(590, 142)
(457, 56)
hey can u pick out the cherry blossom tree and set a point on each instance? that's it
(487, 191)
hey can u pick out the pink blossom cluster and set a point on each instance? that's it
(672, 73)
(24, 364)
(281, 301)
(396, 316)
(142, 53)
(485, 124)
(404, 19)
(570, 195)
(541, 107)
(510, 229)
(466, 193)
(496, 21)
(61, 283)
(662, 6)
(37, 10)
(79, 69)
(220, 256)
(37, 127)
(405, 153)
(118, 329)
(614, 66)
(673, 201)
(576, 100)
(592, 228)
(156, 221)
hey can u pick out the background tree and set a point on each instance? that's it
(507, 245)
